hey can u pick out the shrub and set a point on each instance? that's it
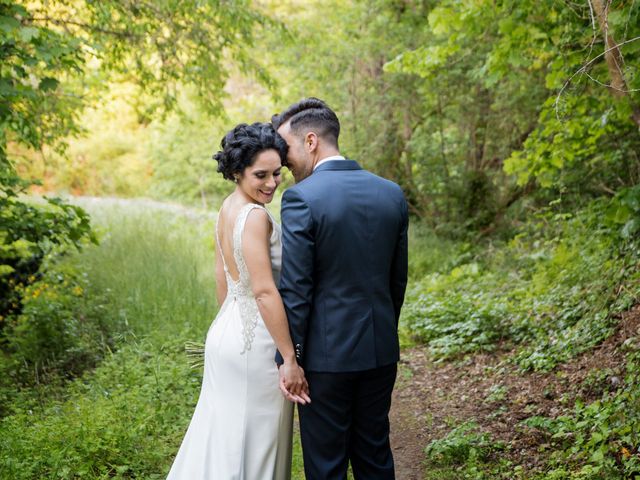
(28, 233)
(463, 444)
(59, 330)
(598, 440)
(125, 420)
(554, 289)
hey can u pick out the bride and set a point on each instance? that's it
(241, 428)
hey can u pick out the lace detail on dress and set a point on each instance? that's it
(240, 290)
(249, 312)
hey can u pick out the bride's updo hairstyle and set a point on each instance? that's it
(241, 145)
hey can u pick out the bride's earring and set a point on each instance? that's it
(236, 178)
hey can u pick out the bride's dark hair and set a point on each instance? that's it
(241, 145)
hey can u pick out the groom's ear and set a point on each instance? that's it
(311, 142)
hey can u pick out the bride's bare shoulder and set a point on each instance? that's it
(257, 224)
(229, 209)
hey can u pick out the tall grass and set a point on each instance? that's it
(126, 418)
(156, 265)
(432, 253)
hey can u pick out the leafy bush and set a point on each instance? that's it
(124, 421)
(599, 440)
(59, 330)
(554, 289)
(453, 315)
(29, 232)
(145, 292)
(463, 444)
(44, 321)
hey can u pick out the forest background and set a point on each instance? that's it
(513, 128)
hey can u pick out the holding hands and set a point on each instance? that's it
(293, 384)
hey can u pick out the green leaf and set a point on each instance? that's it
(618, 213)
(29, 33)
(6, 269)
(630, 228)
(7, 24)
(597, 456)
(48, 83)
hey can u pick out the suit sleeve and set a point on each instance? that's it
(296, 279)
(400, 265)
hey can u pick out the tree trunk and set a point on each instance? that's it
(613, 57)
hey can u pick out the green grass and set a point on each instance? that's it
(151, 280)
(431, 253)
(154, 276)
(124, 420)
(156, 265)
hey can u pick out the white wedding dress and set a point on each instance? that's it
(242, 426)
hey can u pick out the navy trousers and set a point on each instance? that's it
(348, 420)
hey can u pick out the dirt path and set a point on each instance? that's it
(430, 399)
(410, 418)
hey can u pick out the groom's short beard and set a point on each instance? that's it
(306, 171)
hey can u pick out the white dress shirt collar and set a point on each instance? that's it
(328, 159)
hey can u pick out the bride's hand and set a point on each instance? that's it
(293, 383)
(294, 378)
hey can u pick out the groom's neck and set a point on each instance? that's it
(325, 153)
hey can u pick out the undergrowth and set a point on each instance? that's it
(121, 314)
(466, 452)
(124, 420)
(599, 440)
(96, 383)
(553, 291)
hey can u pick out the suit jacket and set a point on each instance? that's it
(344, 267)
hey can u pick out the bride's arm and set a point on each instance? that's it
(255, 249)
(221, 279)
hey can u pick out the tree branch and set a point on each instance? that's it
(93, 28)
(583, 69)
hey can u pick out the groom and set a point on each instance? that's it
(344, 274)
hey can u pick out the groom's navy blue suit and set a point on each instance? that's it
(344, 275)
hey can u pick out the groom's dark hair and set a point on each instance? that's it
(310, 113)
